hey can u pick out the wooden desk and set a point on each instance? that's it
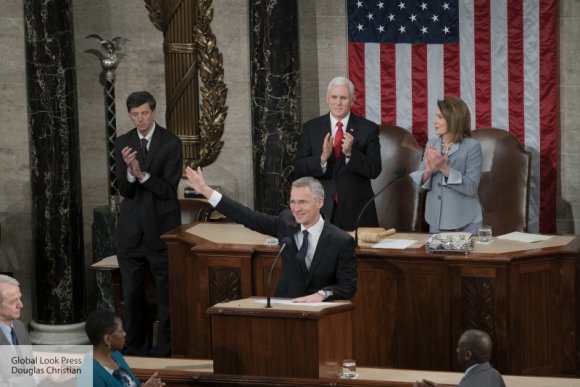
(188, 372)
(411, 306)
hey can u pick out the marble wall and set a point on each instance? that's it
(322, 56)
(568, 210)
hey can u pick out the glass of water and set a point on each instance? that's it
(485, 234)
(348, 368)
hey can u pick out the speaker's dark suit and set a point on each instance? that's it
(484, 375)
(352, 180)
(148, 210)
(7, 354)
(333, 265)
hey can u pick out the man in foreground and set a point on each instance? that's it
(319, 263)
(473, 353)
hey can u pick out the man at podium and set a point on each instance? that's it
(318, 262)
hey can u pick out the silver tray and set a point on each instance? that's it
(450, 243)
(464, 250)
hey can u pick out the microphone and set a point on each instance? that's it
(285, 243)
(399, 172)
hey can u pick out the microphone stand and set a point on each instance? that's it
(399, 172)
(285, 243)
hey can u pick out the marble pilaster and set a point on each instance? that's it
(57, 220)
(275, 85)
(104, 245)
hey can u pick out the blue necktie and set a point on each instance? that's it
(13, 336)
(301, 254)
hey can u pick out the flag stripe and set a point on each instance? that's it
(404, 101)
(452, 77)
(388, 85)
(482, 63)
(467, 56)
(356, 73)
(499, 75)
(419, 92)
(549, 111)
(532, 105)
(373, 87)
(434, 84)
(516, 70)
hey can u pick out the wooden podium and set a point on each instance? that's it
(300, 341)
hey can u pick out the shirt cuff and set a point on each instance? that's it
(215, 198)
(145, 178)
(130, 177)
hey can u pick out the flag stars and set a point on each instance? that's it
(402, 29)
(360, 27)
(446, 6)
(424, 30)
(413, 18)
(391, 17)
(381, 5)
(370, 16)
(446, 30)
(359, 3)
(401, 5)
(381, 29)
(423, 6)
(435, 18)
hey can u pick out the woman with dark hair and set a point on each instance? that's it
(105, 332)
(450, 171)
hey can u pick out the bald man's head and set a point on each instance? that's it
(474, 347)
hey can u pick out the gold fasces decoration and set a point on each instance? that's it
(200, 126)
(155, 13)
(213, 91)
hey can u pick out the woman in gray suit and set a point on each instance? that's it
(450, 171)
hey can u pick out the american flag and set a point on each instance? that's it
(499, 56)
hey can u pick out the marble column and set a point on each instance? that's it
(55, 172)
(275, 85)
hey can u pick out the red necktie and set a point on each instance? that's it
(338, 140)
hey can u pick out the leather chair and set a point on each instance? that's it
(504, 188)
(400, 206)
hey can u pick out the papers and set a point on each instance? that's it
(394, 244)
(524, 237)
(285, 301)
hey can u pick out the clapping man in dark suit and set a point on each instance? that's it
(148, 167)
(319, 263)
(473, 354)
(342, 150)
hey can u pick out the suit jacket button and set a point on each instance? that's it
(439, 197)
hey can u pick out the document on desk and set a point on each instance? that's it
(285, 301)
(394, 244)
(524, 237)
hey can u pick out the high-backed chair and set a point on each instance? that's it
(504, 188)
(399, 206)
